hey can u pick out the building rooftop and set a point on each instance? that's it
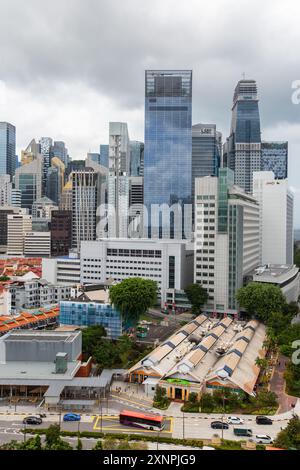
(31, 335)
(275, 273)
(193, 352)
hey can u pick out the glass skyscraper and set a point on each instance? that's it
(104, 155)
(274, 157)
(7, 149)
(168, 152)
(136, 158)
(242, 152)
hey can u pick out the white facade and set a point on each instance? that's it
(276, 218)
(226, 239)
(168, 262)
(17, 226)
(62, 271)
(287, 277)
(37, 244)
(5, 190)
(5, 301)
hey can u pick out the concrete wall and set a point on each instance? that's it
(43, 350)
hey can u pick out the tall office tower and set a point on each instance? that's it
(168, 153)
(4, 212)
(118, 180)
(61, 232)
(274, 157)
(42, 208)
(45, 150)
(95, 157)
(53, 184)
(17, 226)
(74, 165)
(5, 190)
(60, 151)
(84, 206)
(29, 180)
(276, 218)
(7, 149)
(136, 205)
(226, 238)
(30, 153)
(104, 155)
(119, 148)
(206, 152)
(16, 197)
(242, 151)
(58, 164)
(136, 158)
(66, 197)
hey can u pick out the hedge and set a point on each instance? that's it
(130, 437)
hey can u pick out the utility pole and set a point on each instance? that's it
(183, 430)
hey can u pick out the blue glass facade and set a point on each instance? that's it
(7, 149)
(90, 314)
(274, 157)
(104, 155)
(168, 143)
(243, 150)
(136, 158)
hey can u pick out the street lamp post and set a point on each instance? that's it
(183, 429)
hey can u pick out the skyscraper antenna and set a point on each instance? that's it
(243, 75)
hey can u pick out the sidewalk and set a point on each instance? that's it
(277, 385)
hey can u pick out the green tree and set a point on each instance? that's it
(207, 403)
(160, 399)
(290, 436)
(133, 296)
(260, 299)
(98, 445)
(267, 399)
(32, 444)
(4, 278)
(91, 338)
(197, 296)
(52, 435)
(79, 444)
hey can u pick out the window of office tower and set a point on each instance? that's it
(168, 146)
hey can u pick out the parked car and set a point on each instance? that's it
(219, 425)
(234, 420)
(263, 439)
(242, 432)
(263, 420)
(32, 420)
(71, 417)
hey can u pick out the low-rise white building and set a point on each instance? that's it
(168, 262)
(287, 277)
(37, 244)
(64, 270)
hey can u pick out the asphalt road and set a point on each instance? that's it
(178, 426)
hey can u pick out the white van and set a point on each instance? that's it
(263, 439)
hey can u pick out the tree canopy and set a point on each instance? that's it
(290, 436)
(197, 296)
(261, 299)
(133, 296)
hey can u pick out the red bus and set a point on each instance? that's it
(141, 420)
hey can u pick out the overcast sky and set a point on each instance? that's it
(68, 67)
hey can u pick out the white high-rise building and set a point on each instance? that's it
(37, 244)
(226, 239)
(17, 226)
(276, 218)
(118, 180)
(5, 190)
